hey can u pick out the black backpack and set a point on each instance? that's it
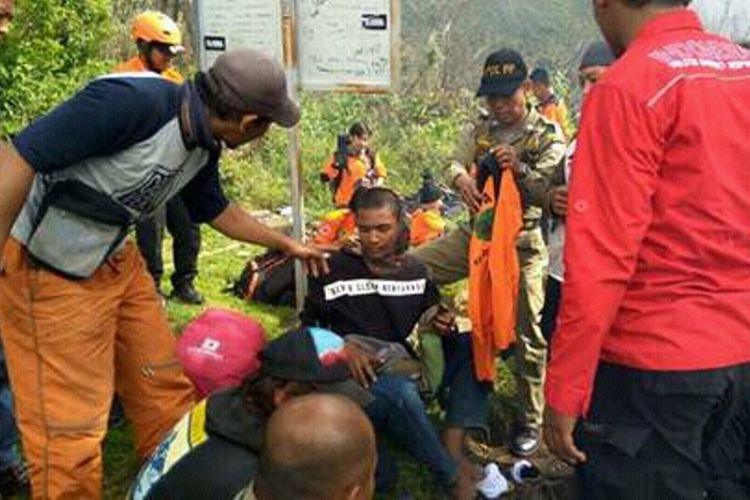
(267, 279)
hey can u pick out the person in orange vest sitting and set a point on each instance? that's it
(159, 41)
(549, 105)
(353, 164)
(338, 227)
(427, 221)
(335, 230)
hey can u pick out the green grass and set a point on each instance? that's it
(220, 262)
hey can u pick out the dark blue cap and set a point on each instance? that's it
(504, 73)
(315, 356)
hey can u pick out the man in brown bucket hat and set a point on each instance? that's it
(79, 314)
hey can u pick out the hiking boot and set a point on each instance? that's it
(14, 480)
(187, 294)
(525, 442)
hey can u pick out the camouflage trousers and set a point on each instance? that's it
(448, 260)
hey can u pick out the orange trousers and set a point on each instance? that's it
(69, 346)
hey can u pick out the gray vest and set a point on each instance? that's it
(74, 234)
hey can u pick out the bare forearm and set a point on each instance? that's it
(16, 177)
(236, 223)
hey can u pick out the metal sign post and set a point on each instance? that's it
(331, 45)
(295, 146)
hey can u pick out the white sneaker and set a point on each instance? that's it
(493, 485)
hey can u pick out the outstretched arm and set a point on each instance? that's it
(234, 222)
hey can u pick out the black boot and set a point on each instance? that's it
(525, 441)
(187, 293)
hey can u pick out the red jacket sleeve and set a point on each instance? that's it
(613, 181)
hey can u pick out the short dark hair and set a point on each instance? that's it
(666, 3)
(378, 197)
(541, 76)
(258, 392)
(359, 129)
(745, 44)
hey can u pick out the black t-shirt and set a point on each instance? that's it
(353, 300)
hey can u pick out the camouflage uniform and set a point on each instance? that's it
(540, 145)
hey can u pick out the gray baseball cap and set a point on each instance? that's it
(597, 54)
(250, 81)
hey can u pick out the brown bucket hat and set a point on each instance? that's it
(250, 81)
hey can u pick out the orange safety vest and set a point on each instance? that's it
(349, 179)
(426, 225)
(494, 273)
(557, 112)
(336, 228)
(136, 65)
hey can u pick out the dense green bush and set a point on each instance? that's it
(411, 133)
(53, 47)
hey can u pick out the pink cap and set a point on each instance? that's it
(219, 348)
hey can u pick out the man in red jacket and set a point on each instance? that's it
(653, 346)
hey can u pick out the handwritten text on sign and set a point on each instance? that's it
(232, 24)
(344, 43)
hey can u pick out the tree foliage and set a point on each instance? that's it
(445, 42)
(51, 50)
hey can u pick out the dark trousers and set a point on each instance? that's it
(185, 246)
(399, 412)
(552, 296)
(665, 435)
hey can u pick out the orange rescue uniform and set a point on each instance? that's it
(426, 225)
(555, 110)
(494, 273)
(358, 167)
(336, 228)
(136, 65)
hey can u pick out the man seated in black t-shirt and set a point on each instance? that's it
(379, 292)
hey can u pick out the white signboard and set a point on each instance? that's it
(346, 44)
(230, 24)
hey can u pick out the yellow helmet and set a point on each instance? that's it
(153, 26)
